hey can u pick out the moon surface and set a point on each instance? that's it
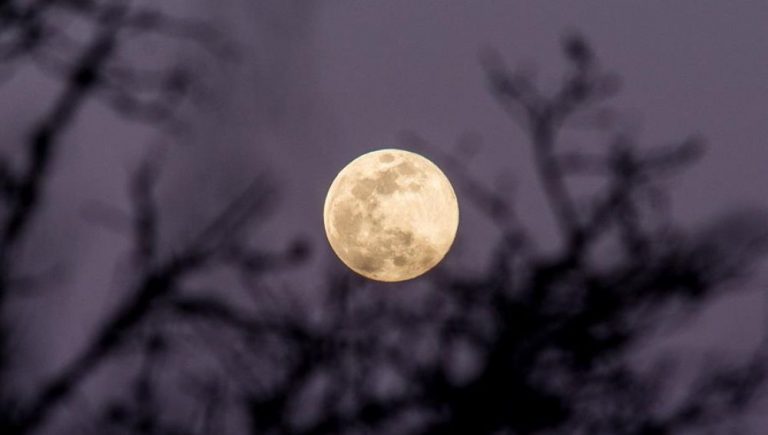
(391, 215)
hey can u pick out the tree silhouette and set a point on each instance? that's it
(540, 341)
(95, 69)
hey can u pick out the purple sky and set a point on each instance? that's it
(326, 81)
(688, 68)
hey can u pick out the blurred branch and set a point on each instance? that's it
(155, 286)
(495, 205)
(145, 213)
(82, 79)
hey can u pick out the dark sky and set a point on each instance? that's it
(326, 81)
(688, 67)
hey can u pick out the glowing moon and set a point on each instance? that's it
(391, 215)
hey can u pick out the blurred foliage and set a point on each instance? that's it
(540, 341)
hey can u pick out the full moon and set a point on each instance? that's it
(391, 215)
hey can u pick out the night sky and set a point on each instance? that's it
(319, 83)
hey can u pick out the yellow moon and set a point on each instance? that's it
(391, 215)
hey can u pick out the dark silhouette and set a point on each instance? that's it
(137, 92)
(539, 342)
